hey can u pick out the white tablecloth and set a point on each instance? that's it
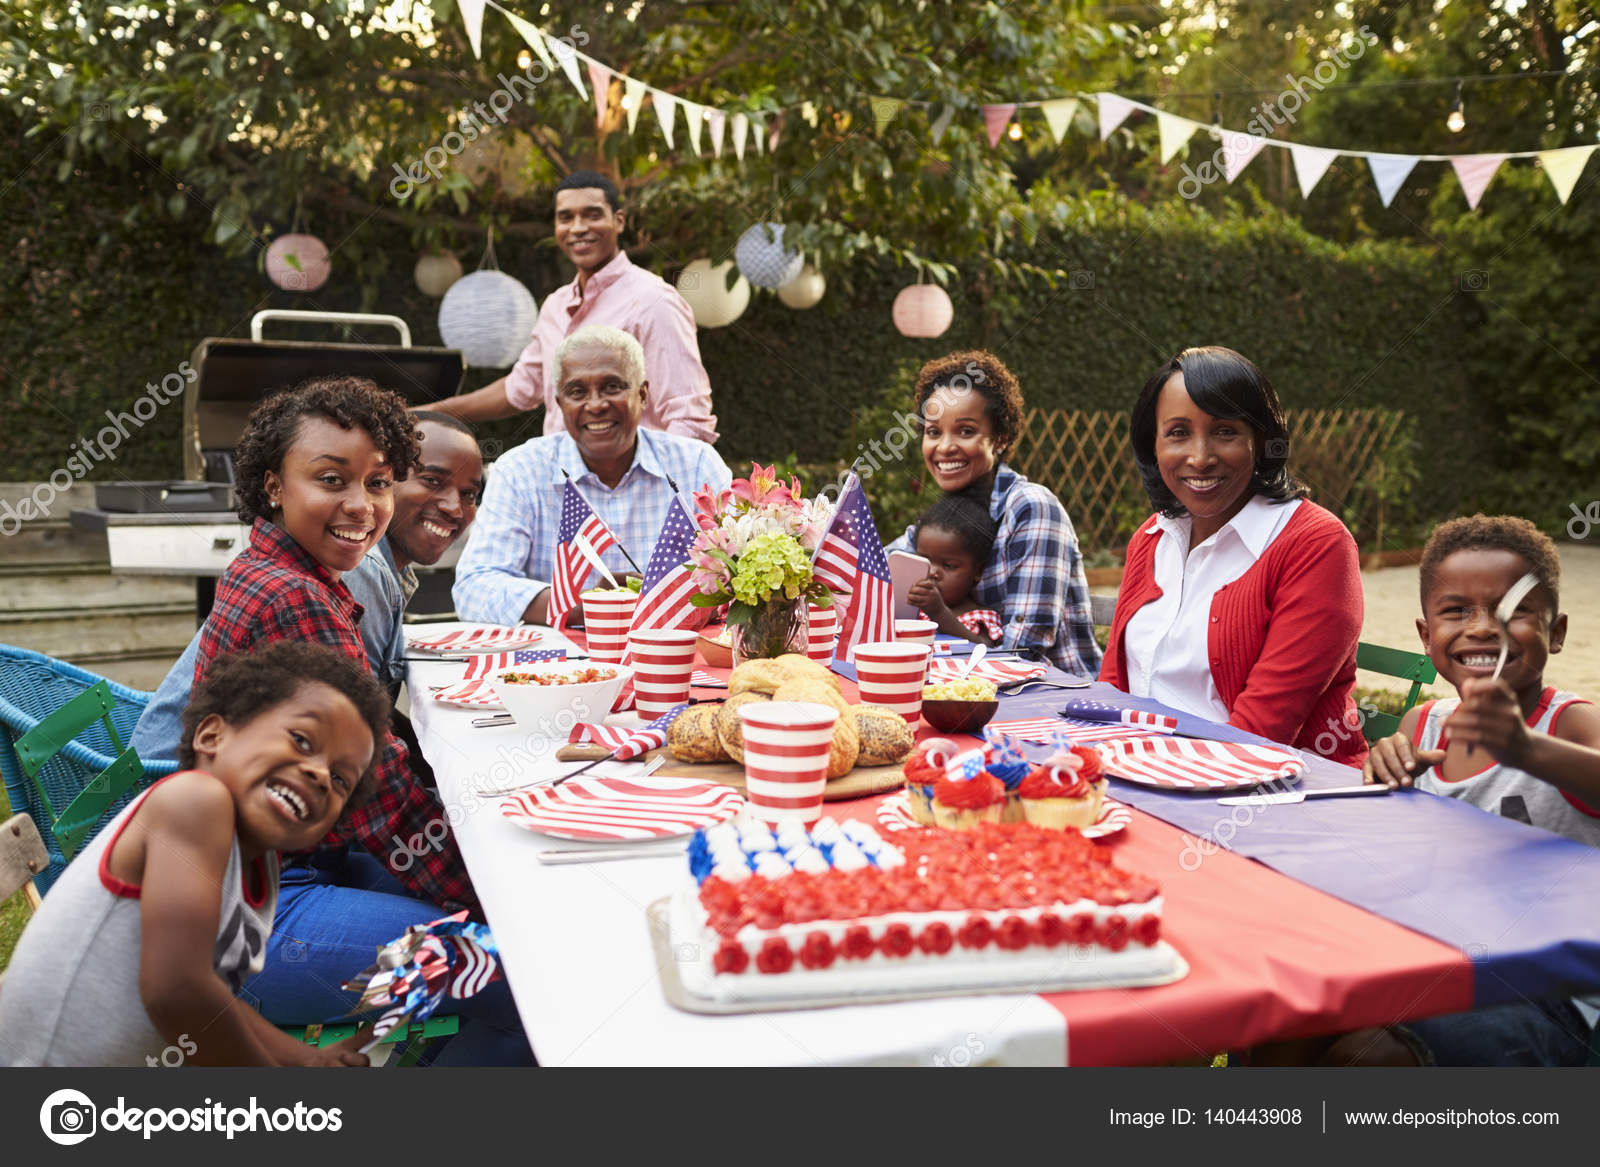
(576, 948)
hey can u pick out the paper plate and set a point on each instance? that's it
(471, 641)
(1046, 729)
(1178, 763)
(894, 814)
(594, 808)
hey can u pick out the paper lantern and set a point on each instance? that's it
(298, 263)
(706, 289)
(763, 261)
(489, 316)
(435, 272)
(805, 290)
(923, 311)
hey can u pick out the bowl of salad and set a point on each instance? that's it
(552, 696)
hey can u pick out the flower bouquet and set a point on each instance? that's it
(753, 553)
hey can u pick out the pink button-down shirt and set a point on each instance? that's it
(640, 303)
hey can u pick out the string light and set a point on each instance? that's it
(1015, 132)
(1457, 121)
(524, 60)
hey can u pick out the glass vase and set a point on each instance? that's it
(778, 627)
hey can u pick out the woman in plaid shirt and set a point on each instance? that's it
(315, 471)
(970, 407)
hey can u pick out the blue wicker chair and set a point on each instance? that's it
(34, 687)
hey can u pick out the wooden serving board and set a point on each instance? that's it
(859, 783)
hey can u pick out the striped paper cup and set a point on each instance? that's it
(915, 632)
(822, 633)
(663, 662)
(606, 619)
(891, 674)
(786, 759)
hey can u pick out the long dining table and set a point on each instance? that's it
(1295, 920)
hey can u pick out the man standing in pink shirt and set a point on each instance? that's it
(609, 290)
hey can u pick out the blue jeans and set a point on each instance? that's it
(331, 919)
(1548, 1032)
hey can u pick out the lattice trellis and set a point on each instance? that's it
(1086, 458)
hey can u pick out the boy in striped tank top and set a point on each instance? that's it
(1511, 745)
(145, 940)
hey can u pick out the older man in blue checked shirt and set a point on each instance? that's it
(623, 471)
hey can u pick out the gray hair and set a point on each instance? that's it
(613, 340)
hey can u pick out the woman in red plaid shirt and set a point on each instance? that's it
(315, 470)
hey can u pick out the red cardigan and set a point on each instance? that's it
(1283, 635)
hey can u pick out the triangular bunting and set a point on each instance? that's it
(1564, 167)
(717, 120)
(758, 132)
(1238, 151)
(942, 122)
(1389, 171)
(1058, 115)
(568, 58)
(996, 118)
(1310, 164)
(741, 125)
(1475, 172)
(776, 134)
(1175, 134)
(633, 97)
(666, 111)
(472, 17)
(533, 36)
(1114, 111)
(600, 78)
(883, 111)
(694, 117)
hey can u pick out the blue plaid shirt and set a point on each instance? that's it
(1034, 577)
(511, 552)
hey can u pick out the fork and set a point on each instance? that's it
(1508, 609)
(650, 768)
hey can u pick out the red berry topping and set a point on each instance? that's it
(896, 940)
(975, 933)
(1114, 933)
(1012, 933)
(1080, 928)
(775, 956)
(1048, 930)
(936, 939)
(731, 958)
(817, 952)
(858, 943)
(1148, 930)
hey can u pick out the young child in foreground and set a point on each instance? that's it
(143, 942)
(955, 535)
(1512, 746)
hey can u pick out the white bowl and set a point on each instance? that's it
(553, 710)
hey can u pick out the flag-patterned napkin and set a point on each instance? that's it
(1088, 709)
(627, 742)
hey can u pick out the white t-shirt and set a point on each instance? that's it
(1167, 640)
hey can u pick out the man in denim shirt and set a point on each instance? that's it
(433, 507)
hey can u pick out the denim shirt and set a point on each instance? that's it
(382, 592)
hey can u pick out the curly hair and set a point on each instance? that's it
(1493, 533)
(985, 373)
(1228, 385)
(964, 518)
(242, 686)
(345, 401)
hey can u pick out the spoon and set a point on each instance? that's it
(978, 653)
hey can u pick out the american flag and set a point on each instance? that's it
(581, 539)
(1088, 709)
(482, 666)
(664, 598)
(850, 559)
(623, 742)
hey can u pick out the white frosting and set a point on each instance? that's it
(888, 857)
(848, 857)
(810, 860)
(732, 872)
(722, 834)
(771, 865)
(858, 832)
(757, 839)
(826, 831)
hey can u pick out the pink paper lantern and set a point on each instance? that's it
(298, 263)
(923, 311)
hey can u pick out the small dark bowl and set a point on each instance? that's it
(958, 716)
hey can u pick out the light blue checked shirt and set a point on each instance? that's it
(511, 553)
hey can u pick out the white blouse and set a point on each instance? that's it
(1167, 640)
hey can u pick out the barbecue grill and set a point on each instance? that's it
(185, 527)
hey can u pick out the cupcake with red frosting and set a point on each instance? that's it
(923, 769)
(962, 803)
(1064, 792)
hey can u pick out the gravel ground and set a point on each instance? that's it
(1393, 606)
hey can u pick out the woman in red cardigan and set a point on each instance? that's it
(1240, 599)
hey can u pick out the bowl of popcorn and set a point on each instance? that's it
(963, 706)
(553, 696)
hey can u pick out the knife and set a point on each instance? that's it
(606, 855)
(1287, 797)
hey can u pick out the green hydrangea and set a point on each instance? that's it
(772, 565)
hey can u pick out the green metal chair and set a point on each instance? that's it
(416, 1036)
(1393, 662)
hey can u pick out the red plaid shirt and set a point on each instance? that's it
(274, 590)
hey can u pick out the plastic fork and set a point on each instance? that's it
(1508, 609)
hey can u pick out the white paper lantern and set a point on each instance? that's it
(805, 290)
(923, 311)
(489, 316)
(763, 261)
(298, 263)
(435, 272)
(706, 289)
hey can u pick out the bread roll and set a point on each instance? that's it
(730, 730)
(846, 745)
(757, 676)
(886, 737)
(692, 736)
